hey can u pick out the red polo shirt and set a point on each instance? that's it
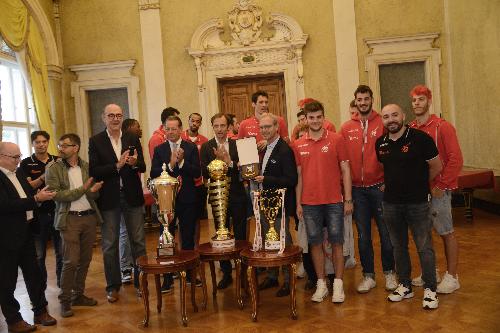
(250, 127)
(320, 167)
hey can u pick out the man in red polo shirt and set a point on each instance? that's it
(250, 126)
(445, 138)
(301, 117)
(323, 171)
(360, 134)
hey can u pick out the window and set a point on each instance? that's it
(16, 105)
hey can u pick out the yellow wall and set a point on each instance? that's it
(475, 40)
(99, 31)
(388, 18)
(319, 53)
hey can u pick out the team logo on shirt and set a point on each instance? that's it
(374, 132)
(405, 148)
(324, 149)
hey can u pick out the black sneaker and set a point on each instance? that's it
(66, 310)
(126, 276)
(400, 293)
(225, 282)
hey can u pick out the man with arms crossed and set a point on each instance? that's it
(360, 134)
(410, 160)
(445, 138)
(323, 171)
(76, 218)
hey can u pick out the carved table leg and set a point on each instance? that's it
(238, 283)
(158, 293)
(214, 280)
(293, 300)
(143, 278)
(203, 285)
(253, 290)
(468, 198)
(193, 289)
(183, 297)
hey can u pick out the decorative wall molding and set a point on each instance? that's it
(149, 4)
(401, 49)
(248, 52)
(107, 75)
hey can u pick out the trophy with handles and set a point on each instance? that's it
(164, 189)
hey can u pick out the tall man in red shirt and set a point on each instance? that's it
(445, 138)
(323, 171)
(250, 126)
(360, 134)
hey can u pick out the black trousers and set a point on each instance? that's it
(25, 258)
(237, 214)
(188, 215)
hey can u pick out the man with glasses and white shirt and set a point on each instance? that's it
(18, 202)
(116, 158)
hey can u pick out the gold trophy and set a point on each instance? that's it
(271, 202)
(164, 189)
(218, 194)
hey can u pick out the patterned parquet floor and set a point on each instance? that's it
(473, 308)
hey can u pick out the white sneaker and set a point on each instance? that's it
(431, 300)
(321, 291)
(366, 284)
(448, 285)
(400, 293)
(301, 272)
(338, 291)
(391, 282)
(418, 282)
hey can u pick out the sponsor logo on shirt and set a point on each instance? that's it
(353, 138)
(302, 153)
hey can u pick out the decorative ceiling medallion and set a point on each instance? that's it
(245, 21)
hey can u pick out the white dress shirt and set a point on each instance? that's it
(76, 181)
(269, 150)
(174, 146)
(13, 179)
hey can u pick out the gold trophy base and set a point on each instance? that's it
(271, 245)
(165, 251)
(222, 243)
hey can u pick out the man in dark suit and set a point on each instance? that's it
(18, 203)
(277, 171)
(116, 158)
(182, 160)
(224, 149)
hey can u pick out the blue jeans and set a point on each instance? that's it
(400, 217)
(126, 260)
(368, 205)
(134, 221)
(47, 232)
(329, 216)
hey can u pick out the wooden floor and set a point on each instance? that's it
(473, 308)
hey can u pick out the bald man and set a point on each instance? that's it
(410, 159)
(115, 157)
(18, 202)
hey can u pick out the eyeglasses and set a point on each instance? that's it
(114, 115)
(64, 146)
(16, 157)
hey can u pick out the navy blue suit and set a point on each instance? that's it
(187, 202)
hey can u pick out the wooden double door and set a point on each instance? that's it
(235, 95)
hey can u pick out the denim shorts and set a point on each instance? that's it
(441, 214)
(329, 216)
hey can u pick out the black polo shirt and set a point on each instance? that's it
(34, 168)
(406, 171)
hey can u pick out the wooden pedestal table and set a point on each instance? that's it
(210, 254)
(182, 262)
(291, 256)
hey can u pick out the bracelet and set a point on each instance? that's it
(348, 201)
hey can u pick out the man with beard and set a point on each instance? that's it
(323, 196)
(234, 126)
(224, 149)
(410, 160)
(34, 167)
(360, 134)
(445, 138)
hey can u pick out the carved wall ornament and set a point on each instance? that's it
(245, 21)
(149, 4)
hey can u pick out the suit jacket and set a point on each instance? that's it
(237, 192)
(281, 172)
(188, 173)
(14, 228)
(102, 166)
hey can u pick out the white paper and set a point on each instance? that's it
(247, 151)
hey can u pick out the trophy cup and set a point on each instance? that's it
(164, 189)
(270, 203)
(218, 194)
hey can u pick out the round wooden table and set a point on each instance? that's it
(210, 254)
(181, 262)
(291, 256)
